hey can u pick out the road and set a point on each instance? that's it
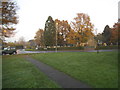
(27, 52)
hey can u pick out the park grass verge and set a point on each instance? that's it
(19, 73)
(97, 70)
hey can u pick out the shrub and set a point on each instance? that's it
(107, 47)
(70, 48)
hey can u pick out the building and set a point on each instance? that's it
(119, 12)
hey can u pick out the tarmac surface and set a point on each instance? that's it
(25, 52)
(60, 78)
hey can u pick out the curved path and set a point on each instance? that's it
(60, 78)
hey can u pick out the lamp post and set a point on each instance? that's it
(56, 35)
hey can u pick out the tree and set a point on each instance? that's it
(99, 37)
(115, 33)
(72, 37)
(11, 44)
(39, 37)
(50, 32)
(62, 30)
(21, 41)
(31, 44)
(83, 26)
(9, 17)
(107, 34)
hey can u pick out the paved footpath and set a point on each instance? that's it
(60, 78)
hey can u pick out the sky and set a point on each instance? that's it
(34, 13)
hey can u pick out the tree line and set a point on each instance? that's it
(110, 36)
(61, 33)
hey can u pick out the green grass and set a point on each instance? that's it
(97, 70)
(19, 73)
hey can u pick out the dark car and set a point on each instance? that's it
(9, 50)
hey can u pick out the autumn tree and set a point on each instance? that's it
(10, 44)
(83, 26)
(50, 32)
(62, 28)
(72, 37)
(39, 37)
(118, 33)
(115, 33)
(9, 17)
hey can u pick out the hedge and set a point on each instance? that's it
(107, 47)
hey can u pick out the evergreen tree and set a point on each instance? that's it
(107, 34)
(50, 32)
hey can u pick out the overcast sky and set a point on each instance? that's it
(34, 13)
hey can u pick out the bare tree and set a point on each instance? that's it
(21, 41)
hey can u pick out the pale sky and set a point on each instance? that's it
(34, 13)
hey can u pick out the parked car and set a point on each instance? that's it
(9, 50)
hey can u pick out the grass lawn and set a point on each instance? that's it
(19, 73)
(97, 70)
